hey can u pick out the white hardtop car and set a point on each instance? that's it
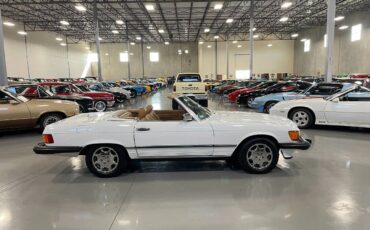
(347, 108)
(109, 140)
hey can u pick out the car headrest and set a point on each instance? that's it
(148, 109)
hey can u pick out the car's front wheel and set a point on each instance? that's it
(100, 106)
(259, 155)
(302, 117)
(249, 101)
(106, 160)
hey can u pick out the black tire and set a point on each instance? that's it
(100, 106)
(302, 117)
(121, 99)
(248, 101)
(203, 103)
(99, 168)
(82, 109)
(268, 106)
(251, 162)
(175, 105)
(49, 118)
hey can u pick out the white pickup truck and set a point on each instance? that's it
(191, 85)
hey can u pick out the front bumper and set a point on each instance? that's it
(41, 148)
(302, 144)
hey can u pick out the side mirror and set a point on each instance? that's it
(336, 100)
(187, 117)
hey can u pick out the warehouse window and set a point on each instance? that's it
(242, 74)
(154, 56)
(93, 57)
(356, 32)
(307, 45)
(123, 57)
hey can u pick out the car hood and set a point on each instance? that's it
(287, 95)
(248, 118)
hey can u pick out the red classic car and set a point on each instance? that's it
(102, 100)
(234, 95)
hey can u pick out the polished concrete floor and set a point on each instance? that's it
(326, 187)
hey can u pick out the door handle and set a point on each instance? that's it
(142, 129)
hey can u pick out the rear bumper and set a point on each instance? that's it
(41, 148)
(302, 144)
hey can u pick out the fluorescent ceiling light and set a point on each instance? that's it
(7, 23)
(209, 46)
(339, 18)
(80, 8)
(179, 51)
(148, 47)
(283, 19)
(286, 5)
(59, 39)
(303, 39)
(138, 38)
(186, 51)
(21, 32)
(216, 37)
(161, 31)
(269, 45)
(88, 48)
(294, 35)
(119, 22)
(344, 27)
(229, 20)
(131, 54)
(65, 23)
(63, 44)
(255, 36)
(206, 30)
(149, 7)
(106, 54)
(234, 42)
(132, 43)
(254, 29)
(239, 46)
(100, 39)
(201, 43)
(218, 6)
(166, 43)
(115, 31)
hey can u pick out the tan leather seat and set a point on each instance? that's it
(150, 114)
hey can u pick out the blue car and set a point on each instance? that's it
(265, 103)
(138, 89)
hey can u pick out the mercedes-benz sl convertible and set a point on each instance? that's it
(110, 140)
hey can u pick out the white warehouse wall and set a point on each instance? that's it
(46, 57)
(348, 57)
(275, 59)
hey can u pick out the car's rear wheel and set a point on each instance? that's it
(302, 117)
(268, 106)
(259, 155)
(100, 106)
(249, 101)
(49, 118)
(106, 160)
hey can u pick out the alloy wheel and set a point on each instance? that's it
(259, 156)
(105, 160)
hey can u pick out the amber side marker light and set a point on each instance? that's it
(294, 135)
(48, 138)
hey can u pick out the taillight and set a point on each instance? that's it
(174, 88)
(48, 138)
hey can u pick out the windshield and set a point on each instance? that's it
(342, 93)
(82, 87)
(200, 111)
(189, 78)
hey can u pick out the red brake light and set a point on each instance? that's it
(48, 138)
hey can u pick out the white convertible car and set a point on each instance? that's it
(348, 108)
(109, 140)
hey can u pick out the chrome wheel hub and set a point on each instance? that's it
(105, 160)
(301, 118)
(250, 100)
(259, 156)
(100, 106)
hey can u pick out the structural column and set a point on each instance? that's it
(97, 41)
(128, 53)
(3, 73)
(251, 41)
(215, 59)
(69, 67)
(142, 56)
(227, 57)
(330, 25)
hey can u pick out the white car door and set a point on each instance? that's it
(349, 110)
(173, 138)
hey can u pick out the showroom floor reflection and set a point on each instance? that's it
(327, 185)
